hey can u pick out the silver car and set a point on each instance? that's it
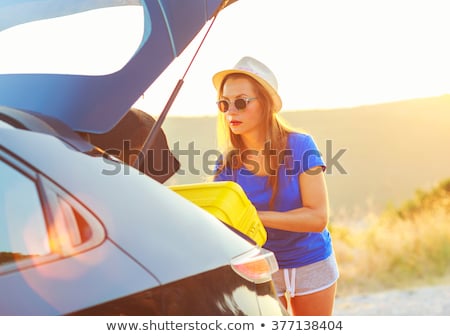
(84, 231)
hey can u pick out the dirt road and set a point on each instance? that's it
(425, 301)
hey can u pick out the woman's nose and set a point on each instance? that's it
(232, 108)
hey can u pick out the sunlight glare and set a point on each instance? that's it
(326, 54)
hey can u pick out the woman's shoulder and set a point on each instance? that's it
(298, 138)
(298, 134)
(304, 149)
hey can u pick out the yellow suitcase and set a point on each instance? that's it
(228, 202)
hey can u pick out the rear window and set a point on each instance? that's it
(70, 43)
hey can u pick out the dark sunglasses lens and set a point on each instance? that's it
(240, 104)
(223, 105)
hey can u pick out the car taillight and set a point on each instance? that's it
(257, 265)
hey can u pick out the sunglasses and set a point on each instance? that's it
(240, 104)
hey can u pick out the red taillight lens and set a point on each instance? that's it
(257, 265)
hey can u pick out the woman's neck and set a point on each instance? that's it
(256, 143)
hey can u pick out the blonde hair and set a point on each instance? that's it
(275, 129)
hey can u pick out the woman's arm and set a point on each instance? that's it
(313, 216)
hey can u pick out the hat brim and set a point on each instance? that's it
(219, 77)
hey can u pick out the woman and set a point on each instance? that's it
(282, 173)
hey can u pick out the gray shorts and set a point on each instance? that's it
(306, 279)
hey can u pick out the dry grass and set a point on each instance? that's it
(404, 247)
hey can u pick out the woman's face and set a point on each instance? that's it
(249, 121)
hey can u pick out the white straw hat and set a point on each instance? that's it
(259, 72)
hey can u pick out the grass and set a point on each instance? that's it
(401, 248)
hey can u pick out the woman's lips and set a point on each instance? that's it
(234, 123)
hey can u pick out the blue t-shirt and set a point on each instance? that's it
(292, 249)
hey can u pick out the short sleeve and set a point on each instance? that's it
(305, 152)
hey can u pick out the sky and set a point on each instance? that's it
(325, 53)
